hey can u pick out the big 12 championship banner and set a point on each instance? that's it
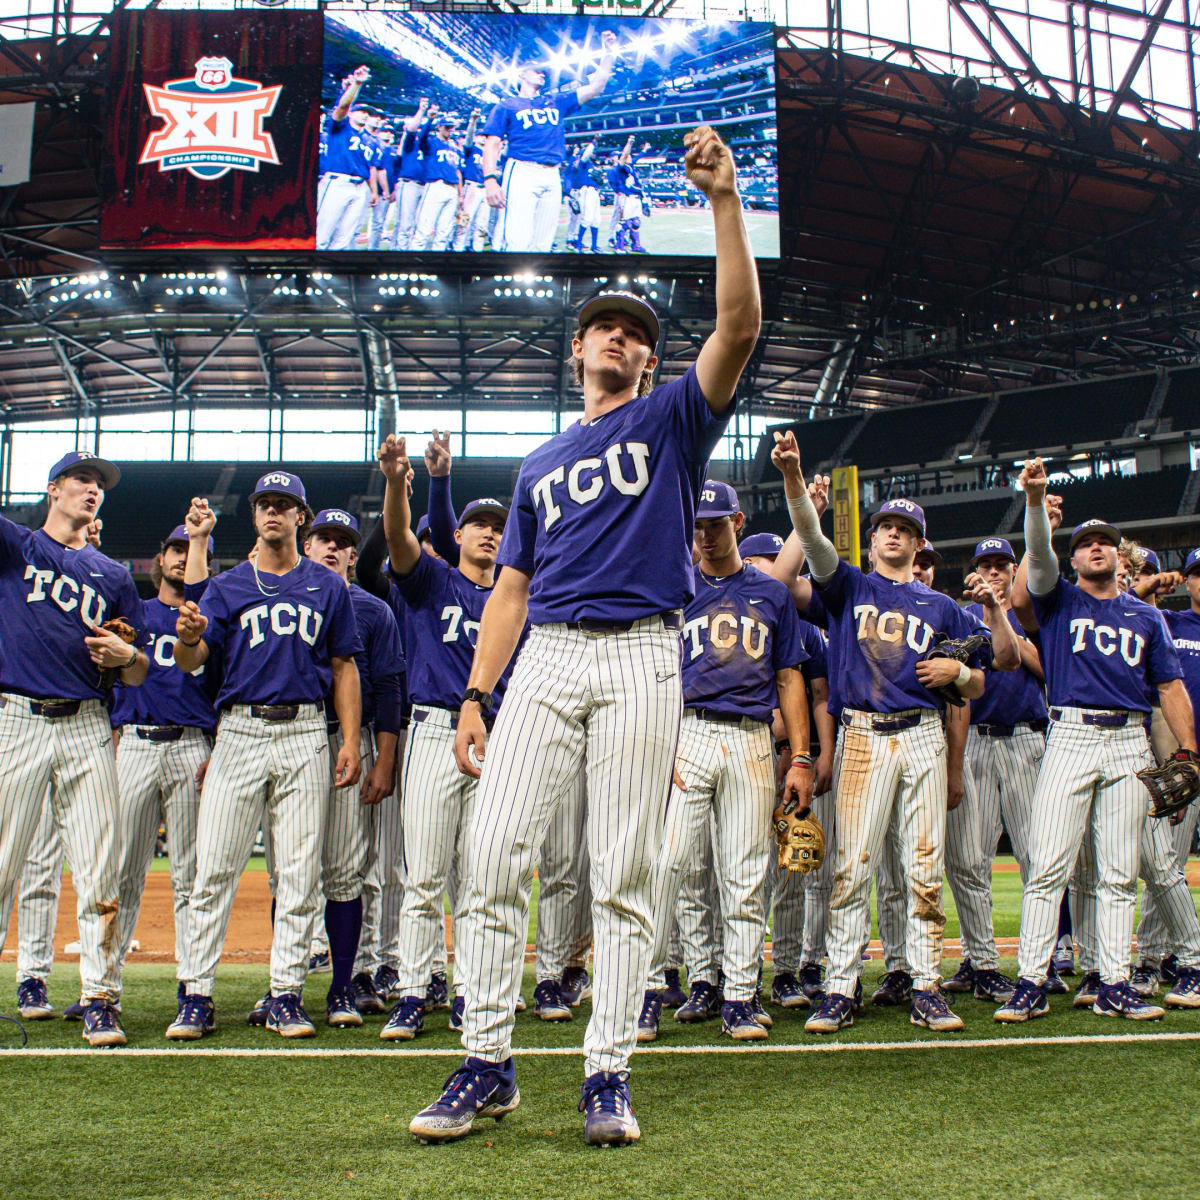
(212, 130)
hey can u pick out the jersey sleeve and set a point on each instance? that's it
(520, 530)
(1163, 662)
(442, 519)
(965, 624)
(835, 590)
(10, 540)
(1045, 606)
(418, 583)
(498, 121)
(567, 103)
(816, 613)
(387, 658)
(699, 428)
(131, 608)
(787, 648)
(817, 666)
(341, 628)
(214, 606)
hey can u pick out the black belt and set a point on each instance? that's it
(54, 708)
(707, 714)
(281, 712)
(888, 722)
(1006, 731)
(1100, 718)
(161, 733)
(671, 620)
(420, 714)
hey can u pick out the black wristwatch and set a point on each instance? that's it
(483, 699)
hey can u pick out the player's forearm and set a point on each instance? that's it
(368, 568)
(491, 155)
(135, 674)
(1031, 660)
(1006, 654)
(821, 553)
(1178, 712)
(957, 722)
(500, 628)
(599, 81)
(793, 709)
(973, 688)
(386, 745)
(1041, 561)
(403, 547)
(195, 569)
(342, 109)
(190, 657)
(442, 519)
(739, 305)
(347, 698)
(823, 718)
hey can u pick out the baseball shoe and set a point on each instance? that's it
(811, 982)
(341, 1008)
(1144, 980)
(548, 1002)
(387, 984)
(437, 994)
(1054, 986)
(1027, 1002)
(833, 1013)
(476, 1089)
(520, 1005)
(196, 1018)
(737, 1020)
(1087, 991)
(405, 1021)
(74, 1012)
(258, 1014)
(930, 1010)
(647, 1025)
(32, 1002)
(608, 1118)
(894, 989)
(102, 1025)
(673, 995)
(287, 1017)
(1120, 1000)
(319, 964)
(759, 1013)
(456, 1014)
(366, 999)
(1063, 960)
(576, 986)
(702, 1004)
(1169, 968)
(786, 991)
(992, 985)
(963, 980)
(1186, 991)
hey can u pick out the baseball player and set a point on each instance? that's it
(893, 769)
(532, 123)
(347, 186)
(56, 592)
(742, 649)
(37, 915)
(445, 605)
(1100, 653)
(385, 169)
(444, 182)
(634, 207)
(410, 178)
(165, 730)
(472, 224)
(584, 187)
(597, 553)
(615, 177)
(286, 629)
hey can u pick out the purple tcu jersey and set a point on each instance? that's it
(1102, 653)
(346, 150)
(737, 632)
(51, 598)
(380, 661)
(444, 608)
(1184, 628)
(1009, 697)
(881, 629)
(277, 646)
(170, 695)
(388, 162)
(412, 165)
(441, 158)
(616, 179)
(816, 664)
(533, 126)
(627, 481)
(472, 165)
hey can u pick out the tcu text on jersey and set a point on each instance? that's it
(67, 594)
(536, 116)
(1106, 639)
(162, 649)
(585, 479)
(285, 620)
(722, 629)
(896, 627)
(452, 615)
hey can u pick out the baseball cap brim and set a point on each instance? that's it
(928, 552)
(475, 510)
(631, 305)
(109, 472)
(899, 516)
(1103, 528)
(993, 554)
(337, 526)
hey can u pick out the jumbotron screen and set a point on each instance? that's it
(478, 133)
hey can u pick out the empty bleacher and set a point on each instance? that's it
(1182, 405)
(971, 519)
(1121, 498)
(818, 441)
(903, 436)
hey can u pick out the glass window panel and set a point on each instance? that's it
(490, 420)
(231, 420)
(230, 446)
(332, 420)
(136, 446)
(324, 447)
(503, 445)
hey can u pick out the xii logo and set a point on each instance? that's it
(214, 122)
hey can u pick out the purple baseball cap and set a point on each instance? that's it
(994, 547)
(625, 302)
(483, 505)
(1095, 525)
(716, 500)
(423, 528)
(926, 550)
(109, 472)
(1192, 562)
(1151, 559)
(901, 509)
(280, 483)
(180, 534)
(339, 519)
(768, 544)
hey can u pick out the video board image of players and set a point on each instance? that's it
(481, 132)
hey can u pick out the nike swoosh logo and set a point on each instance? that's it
(100, 575)
(922, 603)
(313, 589)
(663, 678)
(749, 601)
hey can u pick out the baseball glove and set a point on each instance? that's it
(1174, 785)
(959, 649)
(573, 203)
(800, 837)
(127, 633)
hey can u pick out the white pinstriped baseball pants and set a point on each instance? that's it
(606, 705)
(729, 773)
(157, 782)
(1087, 798)
(1005, 770)
(37, 900)
(409, 194)
(385, 876)
(889, 781)
(273, 773)
(70, 761)
(699, 929)
(342, 205)
(801, 903)
(969, 857)
(533, 203)
(346, 854)
(562, 885)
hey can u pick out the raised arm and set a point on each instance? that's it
(351, 86)
(1006, 654)
(200, 522)
(413, 123)
(403, 547)
(442, 520)
(1039, 563)
(368, 567)
(603, 72)
(818, 549)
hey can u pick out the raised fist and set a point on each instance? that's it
(437, 455)
(200, 519)
(708, 162)
(1033, 481)
(393, 458)
(786, 453)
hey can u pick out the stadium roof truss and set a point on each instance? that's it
(983, 196)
